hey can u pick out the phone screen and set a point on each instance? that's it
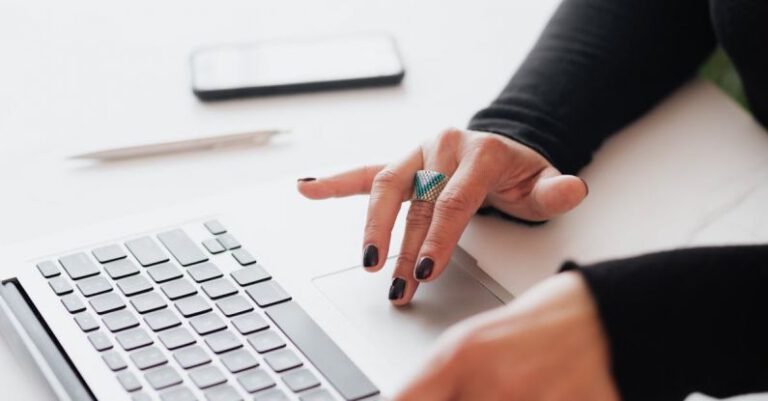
(293, 63)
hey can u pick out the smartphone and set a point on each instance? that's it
(295, 65)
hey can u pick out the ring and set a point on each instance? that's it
(427, 185)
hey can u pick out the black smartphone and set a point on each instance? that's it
(295, 65)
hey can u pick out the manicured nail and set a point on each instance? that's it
(370, 256)
(424, 268)
(397, 289)
(307, 179)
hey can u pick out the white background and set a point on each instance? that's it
(84, 75)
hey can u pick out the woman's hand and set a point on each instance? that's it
(484, 169)
(548, 345)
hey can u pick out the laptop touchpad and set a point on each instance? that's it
(405, 334)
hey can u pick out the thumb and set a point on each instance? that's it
(556, 195)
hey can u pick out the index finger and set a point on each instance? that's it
(352, 182)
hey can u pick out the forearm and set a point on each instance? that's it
(686, 320)
(598, 65)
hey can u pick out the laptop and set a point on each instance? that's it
(253, 295)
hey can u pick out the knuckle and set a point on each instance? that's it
(406, 259)
(453, 202)
(490, 144)
(450, 137)
(419, 215)
(386, 178)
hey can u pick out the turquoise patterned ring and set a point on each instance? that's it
(427, 185)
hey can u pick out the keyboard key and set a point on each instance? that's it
(214, 227)
(142, 396)
(208, 323)
(148, 302)
(272, 395)
(207, 376)
(100, 341)
(133, 338)
(176, 338)
(255, 380)
(319, 395)
(119, 320)
(93, 286)
(146, 251)
(300, 380)
(60, 285)
(191, 357)
(223, 341)
(234, 305)
(121, 268)
(267, 293)
(213, 246)
(193, 306)
(129, 381)
(243, 257)
(178, 394)
(266, 341)
(108, 253)
(73, 303)
(239, 360)
(106, 303)
(204, 272)
(224, 392)
(218, 288)
(48, 269)
(163, 377)
(282, 360)
(182, 247)
(114, 360)
(228, 241)
(178, 289)
(250, 275)
(78, 266)
(134, 285)
(86, 322)
(164, 272)
(161, 320)
(322, 351)
(148, 358)
(249, 323)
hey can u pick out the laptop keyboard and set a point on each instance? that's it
(174, 326)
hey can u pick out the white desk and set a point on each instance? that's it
(83, 75)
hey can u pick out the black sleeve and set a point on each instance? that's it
(598, 65)
(685, 320)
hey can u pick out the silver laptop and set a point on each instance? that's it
(256, 295)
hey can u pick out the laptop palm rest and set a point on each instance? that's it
(407, 333)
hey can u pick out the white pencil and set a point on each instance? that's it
(254, 138)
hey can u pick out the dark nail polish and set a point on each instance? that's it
(424, 268)
(307, 179)
(397, 289)
(370, 256)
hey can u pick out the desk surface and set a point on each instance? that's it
(84, 75)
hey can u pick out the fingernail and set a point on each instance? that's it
(424, 268)
(370, 256)
(307, 179)
(585, 186)
(397, 289)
